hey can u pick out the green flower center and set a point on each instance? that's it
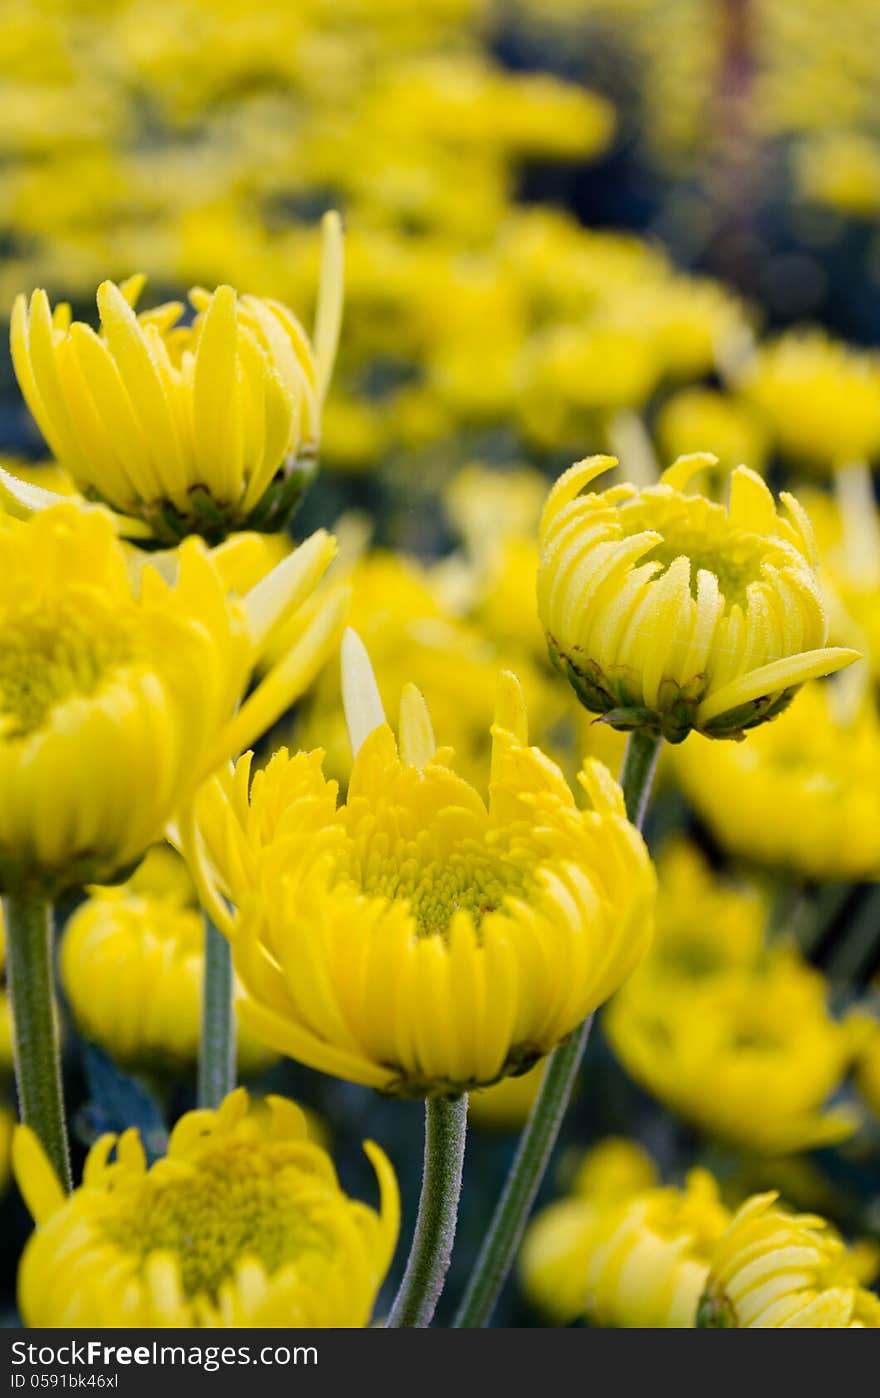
(469, 877)
(700, 530)
(238, 1202)
(48, 658)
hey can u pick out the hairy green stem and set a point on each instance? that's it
(29, 958)
(542, 1129)
(428, 1262)
(217, 1059)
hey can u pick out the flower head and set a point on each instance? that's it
(201, 428)
(821, 759)
(711, 1047)
(5, 1008)
(777, 1270)
(132, 965)
(416, 939)
(821, 399)
(120, 687)
(668, 612)
(242, 1223)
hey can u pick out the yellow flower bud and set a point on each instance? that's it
(668, 612)
(636, 1256)
(193, 429)
(242, 1223)
(132, 965)
(775, 1270)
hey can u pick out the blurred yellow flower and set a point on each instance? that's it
(506, 1105)
(557, 1246)
(242, 1223)
(821, 759)
(192, 429)
(415, 939)
(668, 612)
(132, 965)
(748, 1054)
(820, 398)
(705, 924)
(634, 1256)
(775, 1270)
(693, 416)
(120, 683)
(842, 170)
(7, 1127)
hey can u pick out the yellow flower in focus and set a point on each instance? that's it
(202, 429)
(697, 415)
(821, 399)
(636, 1256)
(670, 613)
(120, 686)
(242, 1223)
(821, 760)
(556, 1249)
(748, 1055)
(773, 1270)
(132, 965)
(416, 939)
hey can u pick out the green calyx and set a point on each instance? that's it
(715, 1312)
(615, 697)
(213, 520)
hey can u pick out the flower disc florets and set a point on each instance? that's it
(242, 1223)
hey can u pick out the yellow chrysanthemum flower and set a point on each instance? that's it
(119, 687)
(669, 613)
(822, 760)
(773, 1270)
(415, 939)
(132, 964)
(820, 398)
(713, 1048)
(202, 428)
(624, 1258)
(556, 1249)
(242, 1223)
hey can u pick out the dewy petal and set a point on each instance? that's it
(776, 677)
(416, 735)
(21, 499)
(276, 596)
(360, 693)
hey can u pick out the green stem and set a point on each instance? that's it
(29, 949)
(542, 1129)
(428, 1262)
(217, 1060)
(637, 773)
